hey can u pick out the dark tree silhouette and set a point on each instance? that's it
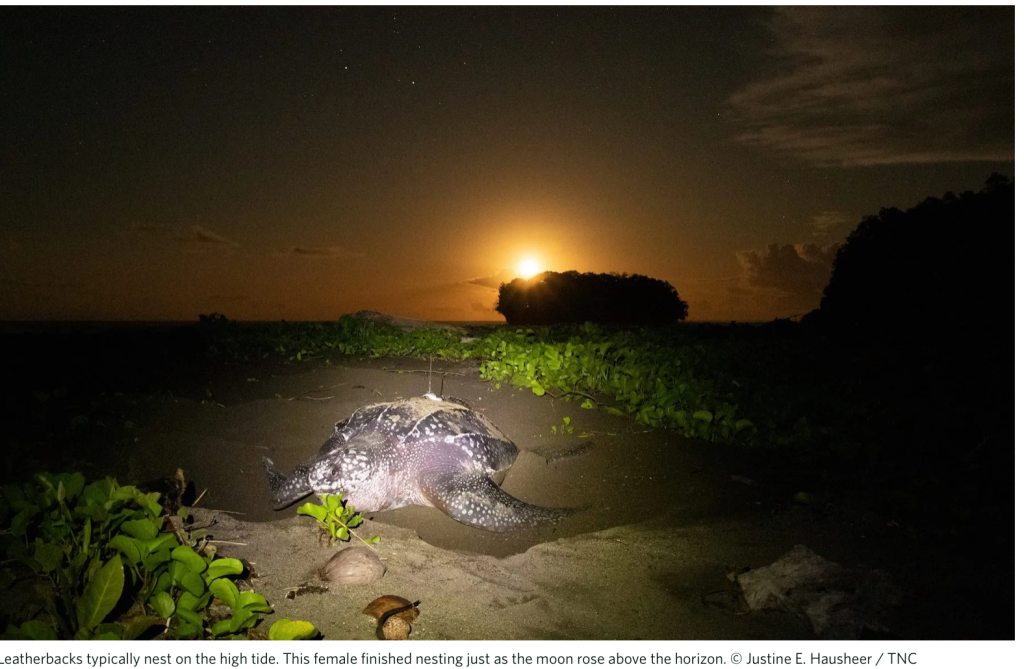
(933, 273)
(571, 297)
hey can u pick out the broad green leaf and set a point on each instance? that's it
(188, 557)
(223, 567)
(292, 630)
(188, 616)
(743, 424)
(155, 560)
(49, 556)
(22, 520)
(38, 631)
(243, 619)
(101, 594)
(163, 604)
(222, 627)
(253, 601)
(74, 484)
(109, 632)
(151, 503)
(225, 590)
(136, 625)
(107, 636)
(13, 633)
(177, 571)
(194, 583)
(163, 582)
(98, 492)
(123, 492)
(148, 501)
(705, 416)
(143, 529)
(314, 510)
(86, 535)
(188, 630)
(166, 540)
(129, 547)
(188, 602)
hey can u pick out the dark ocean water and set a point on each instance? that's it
(86, 327)
(95, 327)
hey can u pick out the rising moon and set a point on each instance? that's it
(528, 267)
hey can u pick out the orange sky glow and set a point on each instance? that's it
(300, 164)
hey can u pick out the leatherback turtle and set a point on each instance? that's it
(425, 450)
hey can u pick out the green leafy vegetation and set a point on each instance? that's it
(772, 386)
(565, 428)
(336, 520)
(660, 377)
(105, 562)
(648, 375)
(292, 630)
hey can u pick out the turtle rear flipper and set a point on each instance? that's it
(474, 499)
(286, 490)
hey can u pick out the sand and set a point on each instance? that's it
(662, 519)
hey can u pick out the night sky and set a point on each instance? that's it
(270, 163)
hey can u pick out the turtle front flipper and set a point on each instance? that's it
(284, 491)
(474, 499)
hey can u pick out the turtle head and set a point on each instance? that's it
(285, 490)
(342, 471)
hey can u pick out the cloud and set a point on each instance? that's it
(322, 252)
(798, 272)
(817, 254)
(495, 280)
(195, 237)
(779, 281)
(200, 236)
(827, 223)
(884, 85)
